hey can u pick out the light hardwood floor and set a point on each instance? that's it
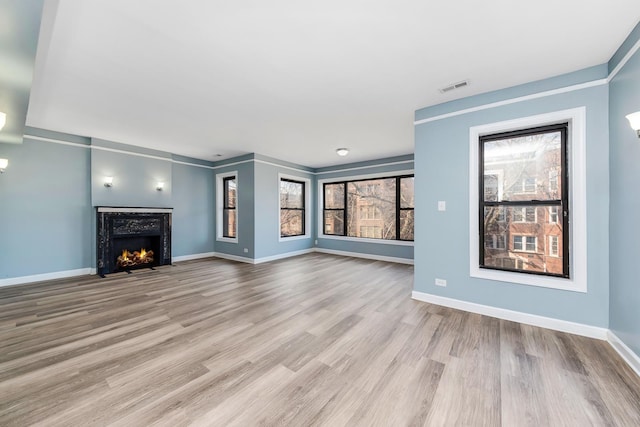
(312, 340)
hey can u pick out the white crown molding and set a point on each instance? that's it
(529, 97)
(365, 167)
(624, 61)
(179, 162)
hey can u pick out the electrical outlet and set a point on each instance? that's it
(441, 282)
(442, 205)
(246, 251)
(316, 242)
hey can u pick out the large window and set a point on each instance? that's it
(524, 173)
(381, 208)
(227, 207)
(292, 208)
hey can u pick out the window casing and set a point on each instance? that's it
(526, 160)
(375, 208)
(292, 208)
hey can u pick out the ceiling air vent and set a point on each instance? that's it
(454, 86)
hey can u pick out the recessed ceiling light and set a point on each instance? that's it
(342, 151)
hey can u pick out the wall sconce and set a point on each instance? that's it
(3, 164)
(634, 121)
(3, 119)
(159, 185)
(108, 181)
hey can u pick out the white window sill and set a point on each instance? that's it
(227, 239)
(290, 238)
(365, 240)
(529, 279)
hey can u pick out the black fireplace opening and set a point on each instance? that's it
(132, 238)
(135, 252)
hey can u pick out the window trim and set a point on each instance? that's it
(220, 203)
(577, 230)
(347, 178)
(307, 207)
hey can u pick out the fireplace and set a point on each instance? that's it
(130, 238)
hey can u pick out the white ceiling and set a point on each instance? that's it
(293, 79)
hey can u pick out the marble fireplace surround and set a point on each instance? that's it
(125, 228)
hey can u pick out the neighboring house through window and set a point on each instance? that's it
(377, 208)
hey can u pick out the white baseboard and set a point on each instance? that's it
(629, 356)
(282, 256)
(192, 257)
(46, 276)
(515, 316)
(365, 256)
(233, 257)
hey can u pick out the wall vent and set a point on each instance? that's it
(454, 86)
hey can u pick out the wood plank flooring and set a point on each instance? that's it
(316, 340)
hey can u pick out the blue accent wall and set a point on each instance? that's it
(193, 230)
(389, 167)
(245, 205)
(625, 200)
(135, 171)
(442, 173)
(46, 217)
(267, 214)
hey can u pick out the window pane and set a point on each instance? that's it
(291, 222)
(334, 222)
(521, 245)
(291, 194)
(406, 225)
(229, 223)
(334, 196)
(230, 191)
(377, 193)
(406, 192)
(520, 168)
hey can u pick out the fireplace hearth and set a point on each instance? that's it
(130, 238)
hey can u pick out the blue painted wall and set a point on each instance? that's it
(246, 227)
(390, 166)
(46, 217)
(135, 177)
(625, 199)
(193, 228)
(47, 204)
(442, 173)
(267, 214)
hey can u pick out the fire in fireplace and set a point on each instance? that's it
(134, 259)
